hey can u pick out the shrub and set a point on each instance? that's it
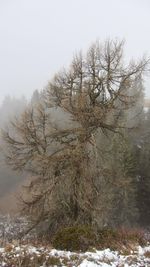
(107, 238)
(83, 237)
(75, 238)
(117, 238)
(134, 235)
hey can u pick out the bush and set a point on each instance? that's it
(75, 238)
(107, 238)
(82, 238)
(134, 235)
(117, 238)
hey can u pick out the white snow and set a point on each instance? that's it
(104, 258)
(87, 263)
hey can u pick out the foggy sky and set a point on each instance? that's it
(38, 37)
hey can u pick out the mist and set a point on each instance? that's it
(39, 37)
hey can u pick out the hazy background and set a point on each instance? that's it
(38, 37)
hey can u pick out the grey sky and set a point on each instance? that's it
(38, 37)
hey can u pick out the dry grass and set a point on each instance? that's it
(147, 254)
(121, 239)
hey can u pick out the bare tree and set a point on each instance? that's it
(63, 157)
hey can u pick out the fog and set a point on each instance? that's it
(38, 37)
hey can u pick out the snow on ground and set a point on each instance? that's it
(14, 254)
(29, 256)
(12, 227)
